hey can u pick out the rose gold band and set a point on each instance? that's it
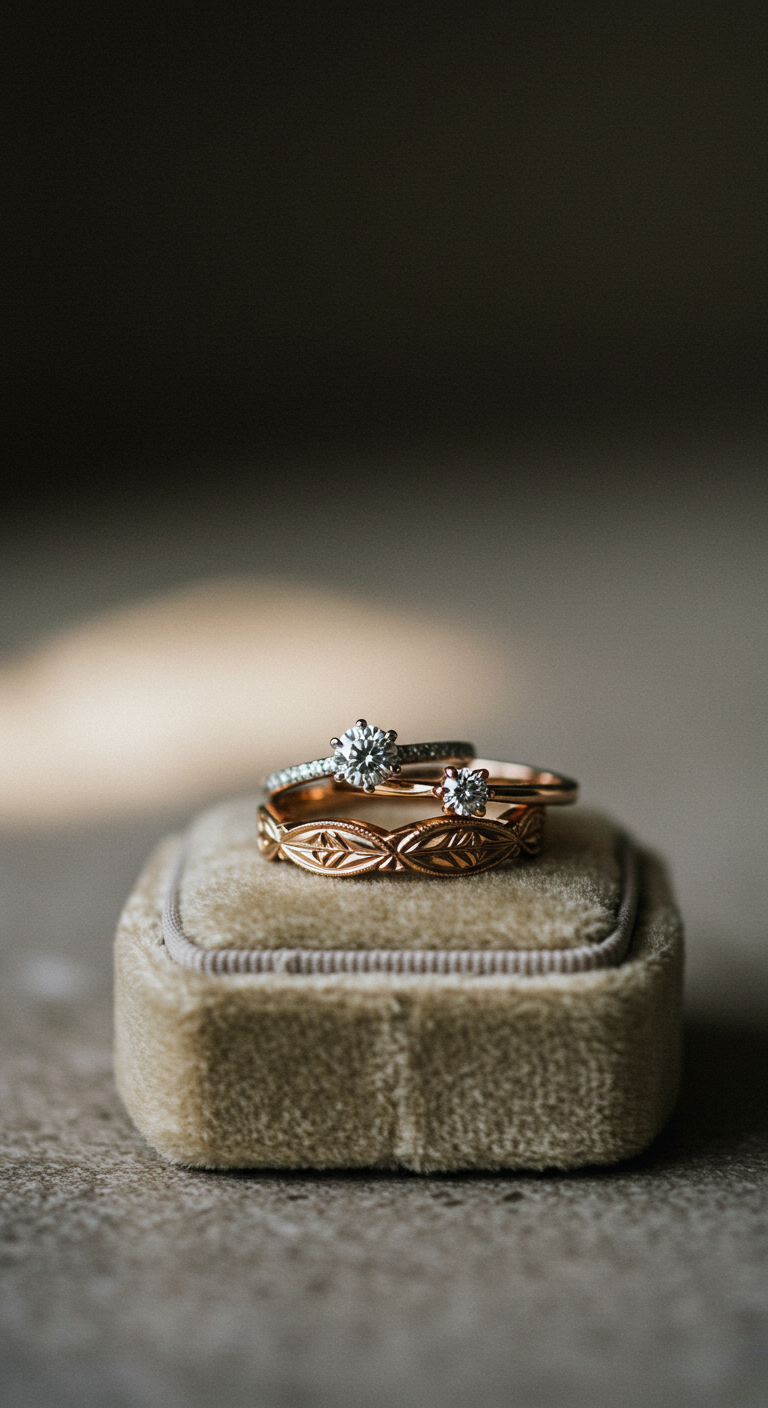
(438, 846)
(505, 782)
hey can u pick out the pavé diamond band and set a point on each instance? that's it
(366, 756)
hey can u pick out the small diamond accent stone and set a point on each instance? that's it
(366, 756)
(465, 794)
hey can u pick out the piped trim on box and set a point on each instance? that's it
(607, 953)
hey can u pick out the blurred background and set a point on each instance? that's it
(405, 361)
(240, 226)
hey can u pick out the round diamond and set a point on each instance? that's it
(465, 794)
(366, 755)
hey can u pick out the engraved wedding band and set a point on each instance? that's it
(439, 845)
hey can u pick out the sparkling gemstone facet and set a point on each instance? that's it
(365, 756)
(465, 794)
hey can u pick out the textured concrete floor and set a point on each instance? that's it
(129, 1284)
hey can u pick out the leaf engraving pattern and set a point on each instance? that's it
(530, 829)
(440, 846)
(268, 834)
(337, 848)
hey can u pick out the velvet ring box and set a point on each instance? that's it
(453, 1060)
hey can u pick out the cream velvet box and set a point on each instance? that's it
(427, 1071)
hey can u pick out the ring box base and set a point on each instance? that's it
(427, 1073)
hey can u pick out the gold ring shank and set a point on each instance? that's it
(507, 782)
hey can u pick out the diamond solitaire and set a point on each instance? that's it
(464, 791)
(365, 755)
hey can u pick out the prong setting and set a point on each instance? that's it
(365, 755)
(463, 791)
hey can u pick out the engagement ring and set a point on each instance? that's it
(366, 756)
